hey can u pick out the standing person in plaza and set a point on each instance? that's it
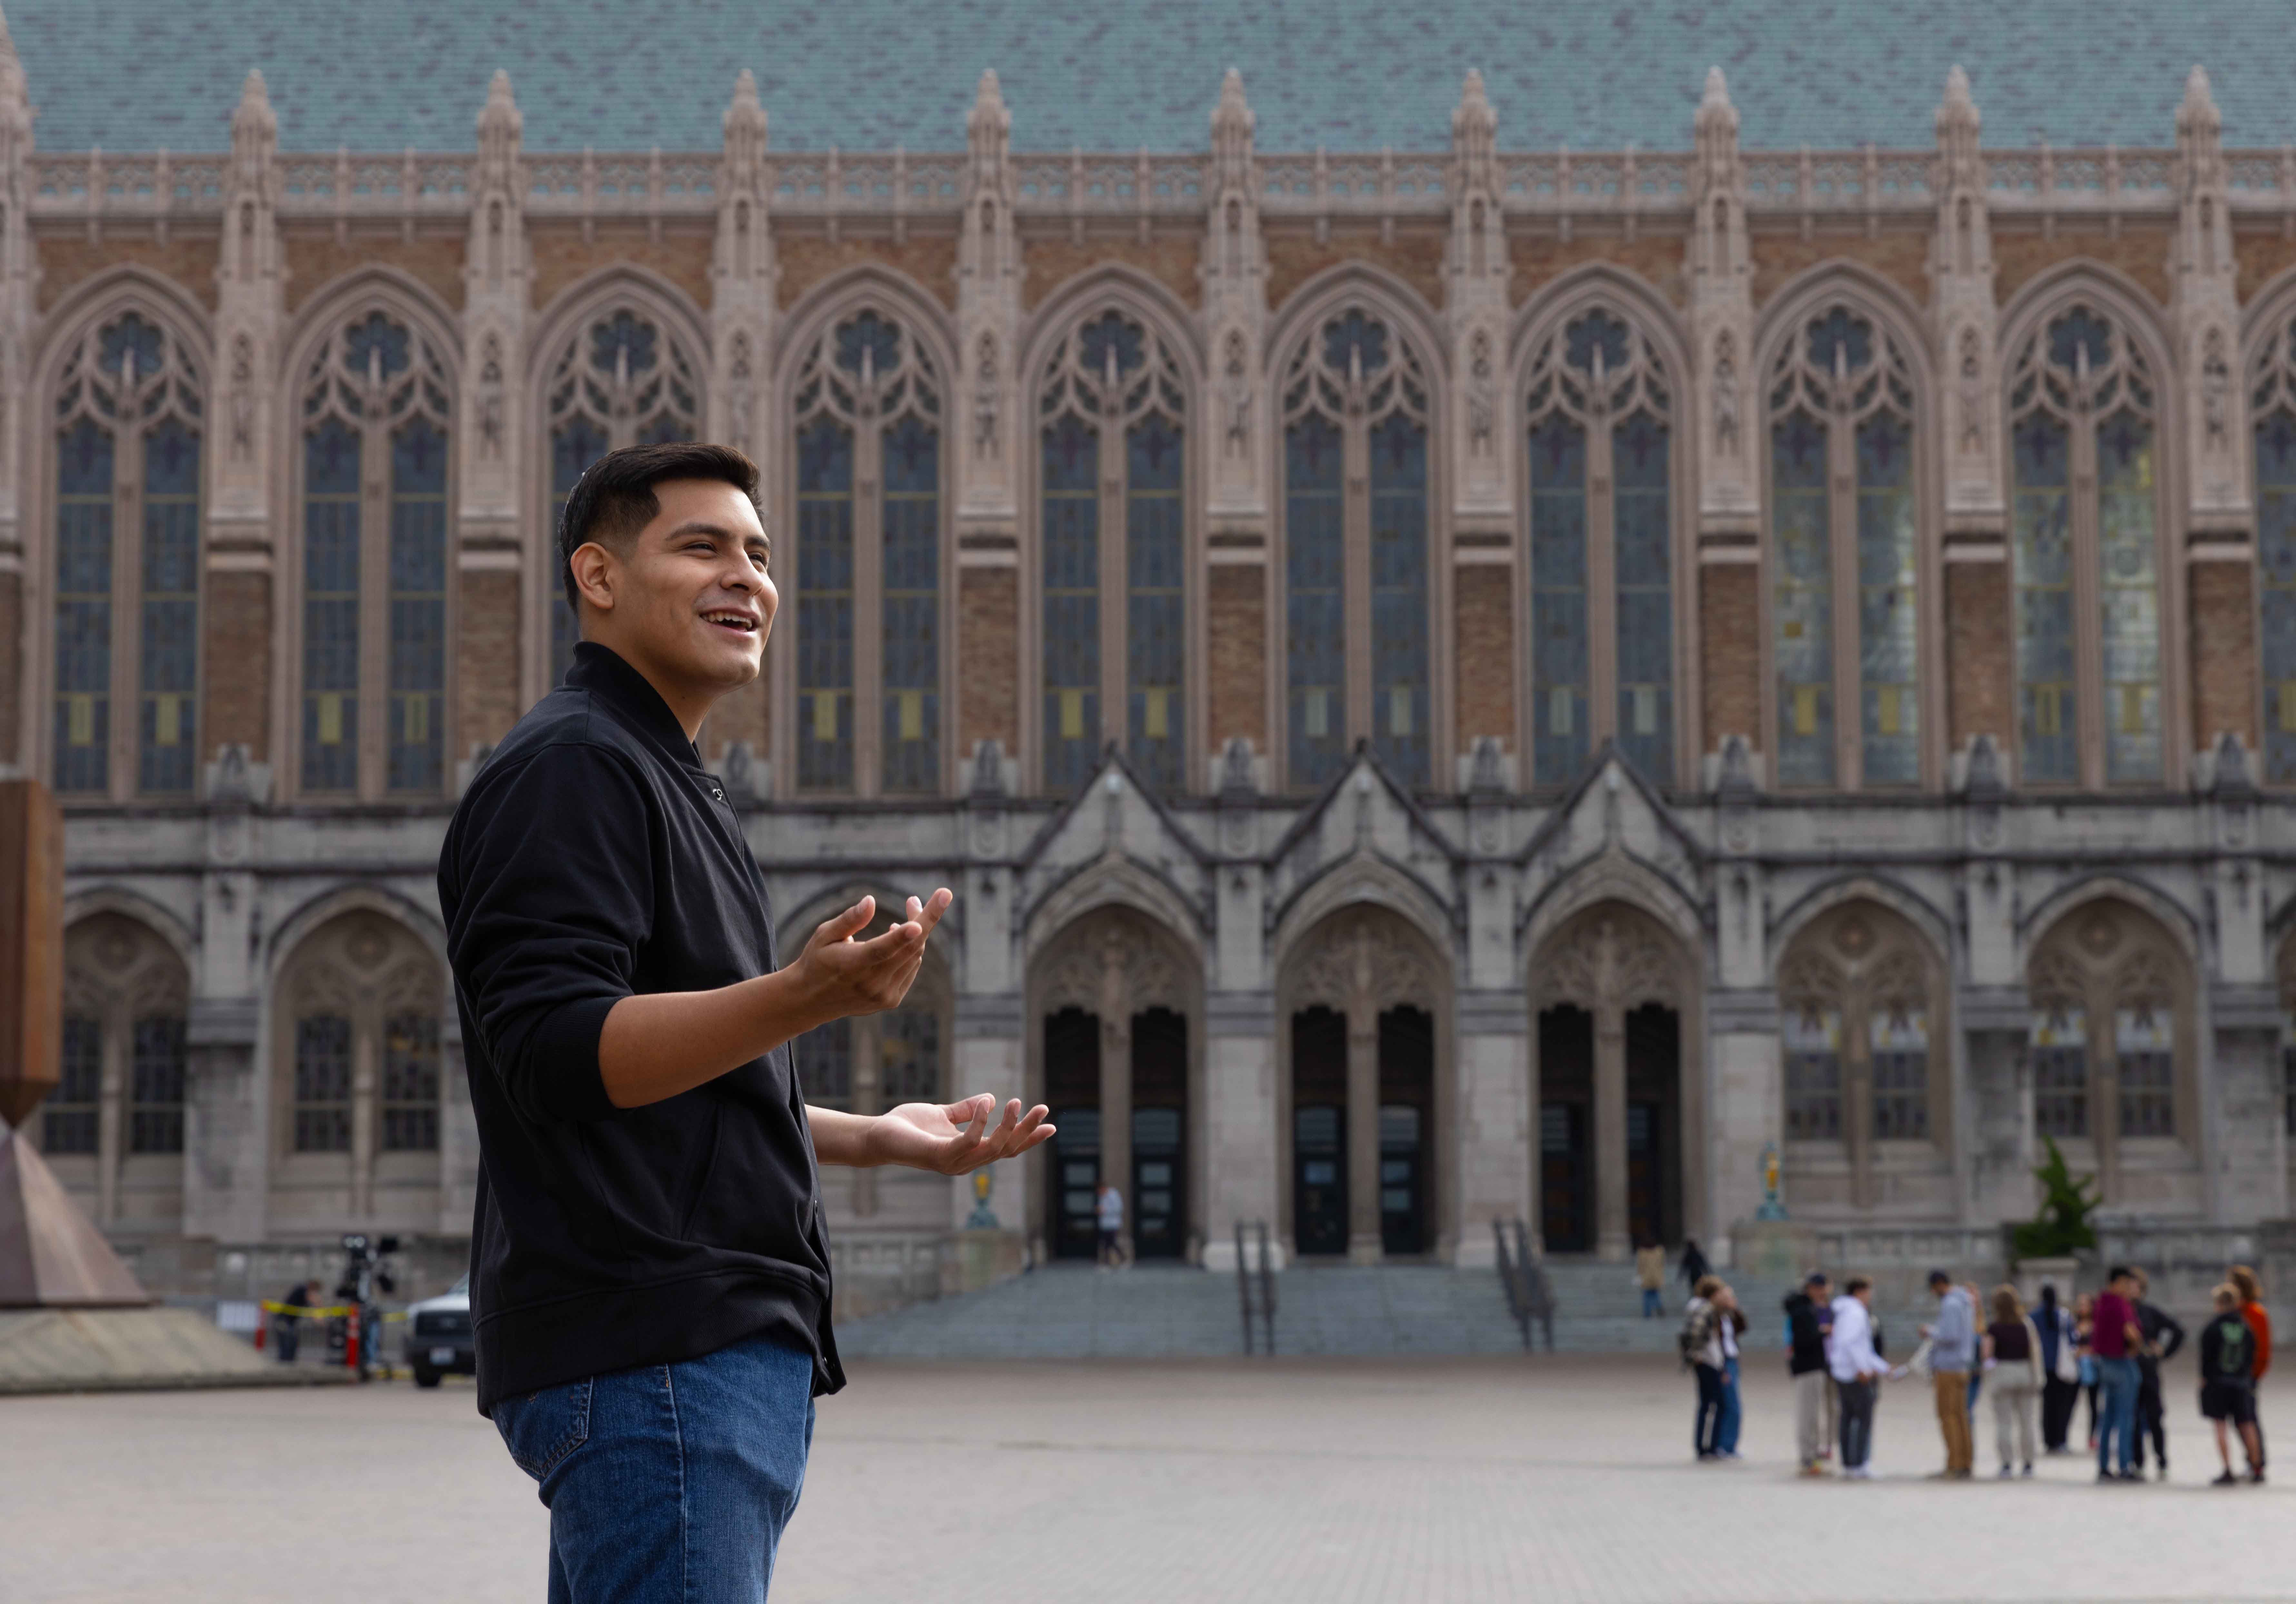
(1693, 1267)
(1953, 1356)
(1649, 1275)
(1108, 1216)
(2012, 1351)
(2059, 1370)
(2251, 1309)
(2084, 1357)
(1729, 1329)
(1701, 1343)
(1857, 1369)
(2164, 1336)
(650, 1280)
(1809, 1318)
(2228, 1383)
(287, 1328)
(2115, 1338)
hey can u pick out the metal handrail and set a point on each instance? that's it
(1266, 1279)
(1529, 1294)
(1267, 1285)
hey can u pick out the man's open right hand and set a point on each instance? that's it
(841, 976)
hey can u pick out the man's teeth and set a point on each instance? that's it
(731, 619)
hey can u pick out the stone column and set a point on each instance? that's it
(1495, 1156)
(226, 1175)
(1612, 1239)
(1242, 1181)
(1363, 1246)
(1745, 1108)
(1116, 1106)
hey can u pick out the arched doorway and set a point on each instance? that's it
(1361, 1002)
(1614, 1108)
(1115, 995)
(1868, 1116)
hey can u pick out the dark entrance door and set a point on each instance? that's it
(1654, 1124)
(1319, 1131)
(1407, 1120)
(1072, 1157)
(1566, 1092)
(1159, 1123)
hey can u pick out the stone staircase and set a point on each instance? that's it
(1339, 1310)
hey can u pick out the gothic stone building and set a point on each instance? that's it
(1450, 686)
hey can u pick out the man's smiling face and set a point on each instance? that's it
(691, 601)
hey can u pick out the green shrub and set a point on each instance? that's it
(2067, 1202)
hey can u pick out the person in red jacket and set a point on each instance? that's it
(2251, 1309)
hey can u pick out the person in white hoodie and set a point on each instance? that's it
(1857, 1371)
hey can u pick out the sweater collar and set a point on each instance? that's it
(603, 673)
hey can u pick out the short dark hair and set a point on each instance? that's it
(2117, 1272)
(614, 498)
(1816, 1277)
(1938, 1278)
(1855, 1285)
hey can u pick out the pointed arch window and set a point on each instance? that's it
(128, 425)
(2273, 405)
(1601, 543)
(1112, 422)
(868, 567)
(619, 380)
(1356, 518)
(375, 412)
(1844, 555)
(119, 1106)
(2084, 557)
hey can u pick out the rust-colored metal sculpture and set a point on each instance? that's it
(50, 1253)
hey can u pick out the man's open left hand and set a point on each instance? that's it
(953, 1138)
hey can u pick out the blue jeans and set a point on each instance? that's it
(1650, 1302)
(2116, 1380)
(668, 1484)
(1725, 1429)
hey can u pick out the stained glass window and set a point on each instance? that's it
(1601, 543)
(909, 1048)
(1113, 483)
(1812, 1045)
(128, 407)
(868, 567)
(2086, 497)
(410, 1084)
(322, 1084)
(1900, 1045)
(2059, 1039)
(1356, 552)
(375, 411)
(1888, 624)
(71, 1118)
(2145, 1054)
(824, 1061)
(1801, 598)
(155, 1082)
(2276, 559)
(619, 379)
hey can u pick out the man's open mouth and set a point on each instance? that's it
(740, 622)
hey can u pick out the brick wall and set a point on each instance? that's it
(2141, 251)
(1978, 677)
(988, 659)
(1170, 259)
(1414, 256)
(1656, 258)
(2224, 653)
(561, 257)
(805, 260)
(1730, 630)
(316, 259)
(1485, 654)
(66, 259)
(1235, 623)
(1900, 255)
(486, 659)
(237, 621)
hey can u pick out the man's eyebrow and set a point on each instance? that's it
(705, 526)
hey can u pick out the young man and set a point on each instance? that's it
(1700, 1342)
(2115, 1338)
(649, 1276)
(1953, 1360)
(1108, 1218)
(2228, 1383)
(2164, 1336)
(1857, 1369)
(1809, 1316)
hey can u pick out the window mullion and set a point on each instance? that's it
(2088, 630)
(1115, 589)
(868, 592)
(1601, 585)
(1842, 570)
(1355, 596)
(374, 610)
(127, 614)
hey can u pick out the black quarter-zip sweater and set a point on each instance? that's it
(592, 859)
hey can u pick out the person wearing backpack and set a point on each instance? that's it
(1700, 1342)
(2228, 1383)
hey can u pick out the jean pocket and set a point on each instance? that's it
(542, 1428)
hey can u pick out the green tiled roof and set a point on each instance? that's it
(379, 75)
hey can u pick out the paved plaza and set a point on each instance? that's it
(1546, 1478)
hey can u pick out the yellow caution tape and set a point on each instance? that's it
(325, 1312)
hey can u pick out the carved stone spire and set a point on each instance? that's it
(249, 311)
(1235, 315)
(988, 309)
(989, 130)
(500, 126)
(741, 304)
(15, 100)
(1477, 268)
(1961, 285)
(490, 415)
(1722, 320)
(2204, 301)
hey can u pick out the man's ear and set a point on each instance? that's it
(594, 574)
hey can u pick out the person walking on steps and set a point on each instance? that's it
(1649, 1275)
(2012, 1349)
(1693, 1268)
(1857, 1369)
(2228, 1383)
(2052, 1322)
(1108, 1214)
(1809, 1316)
(2164, 1336)
(1953, 1356)
(2115, 1338)
(649, 1276)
